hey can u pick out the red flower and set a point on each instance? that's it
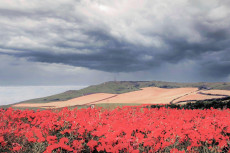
(92, 144)
(77, 145)
(175, 150)
(63, 140)
(1, 139)
(17, 148)
(51, 139)
(50, 148)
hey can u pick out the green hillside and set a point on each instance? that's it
(117, 87)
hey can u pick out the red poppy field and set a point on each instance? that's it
(126, 129)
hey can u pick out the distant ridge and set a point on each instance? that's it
(117, 87)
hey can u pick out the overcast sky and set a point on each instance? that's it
(84, 42)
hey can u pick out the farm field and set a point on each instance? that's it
(120, 87)
(217, 92)
(148, 95)
(196, 96)
(126, 129)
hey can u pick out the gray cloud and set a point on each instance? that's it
(20, 71)
(114, 36)
(216, 64)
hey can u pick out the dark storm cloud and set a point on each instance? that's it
(117, 37)
(216, 65)
(217, 69)
(115, 61)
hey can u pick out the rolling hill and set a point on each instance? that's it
(118, 87)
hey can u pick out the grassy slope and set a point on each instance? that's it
(123, 87)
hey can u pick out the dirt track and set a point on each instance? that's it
(149, 95)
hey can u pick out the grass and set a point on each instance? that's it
(119, 87)
(21, 108)
(5, 106)
(103, 105)
(115, 105)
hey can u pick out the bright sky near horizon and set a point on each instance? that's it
(13, 94)
(79, 42)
